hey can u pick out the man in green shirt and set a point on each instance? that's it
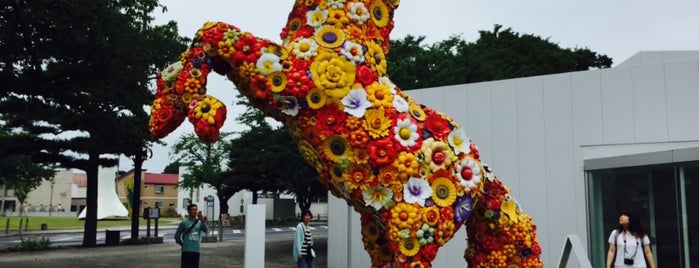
(188, 236)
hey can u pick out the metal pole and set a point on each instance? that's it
(4, 194)
(51, 198)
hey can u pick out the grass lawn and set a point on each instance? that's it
(59, 223)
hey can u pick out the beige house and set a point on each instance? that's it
(157, 191)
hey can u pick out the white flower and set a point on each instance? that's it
(268, 63)
(416, 191)
(405, 132)
(305, 48)
(353, 51)
(171, 72)
(358, 12)
(386, 81)
(317, 17)
(400, 104)
(290, 105)
(377, 196)
(356, 102)
(336, 4)
(458, 140)
(468, 172)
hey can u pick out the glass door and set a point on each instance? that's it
(691, 233)
(652, 193)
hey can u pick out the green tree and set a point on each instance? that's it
(496, 55)
(172, 168)
(204, 162)
(265, 158)
(76, 77)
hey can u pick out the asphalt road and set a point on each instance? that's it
(74, 238)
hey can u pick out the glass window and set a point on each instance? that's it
(159, 189)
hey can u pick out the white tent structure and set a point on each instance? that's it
(108, 204)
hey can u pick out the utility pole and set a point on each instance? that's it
(51, 197)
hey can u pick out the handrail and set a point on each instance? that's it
(573, 243)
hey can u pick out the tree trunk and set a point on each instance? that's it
(223, 203)
(90, 232)
(303, 197)
(136, 196)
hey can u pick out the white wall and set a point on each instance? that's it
(536, 132)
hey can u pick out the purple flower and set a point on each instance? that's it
(462, 208)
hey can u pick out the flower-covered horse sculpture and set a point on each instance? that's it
(410, 171)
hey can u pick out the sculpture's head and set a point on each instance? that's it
(182, 93)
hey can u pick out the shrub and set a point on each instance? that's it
(32, 244)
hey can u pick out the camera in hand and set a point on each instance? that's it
(628, 261)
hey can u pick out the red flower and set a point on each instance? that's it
(261, 86)
(381, 152)
(212, 36)
(312, 135)
(474, 151)
(330, 119)
(305, 32)
(429, 252)
(358, 138)
(301, 65)
(298, 83)
(438, 126)
(247, 49)
(365, 76)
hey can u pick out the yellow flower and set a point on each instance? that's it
(407, 166)
(376, 123)
(375, 58)
(405, 215)
(359, 177)
(192, 85)
(225, 49)
(409, 246)
(393, 3)
(443, 192)
(329, 36)
(430, 215)
(278, 81)
(333, 73)
(338, 18)
(207, 108)
(247, 70)
(316, 99)
(417, 112)
(379, 14)
(379, 95)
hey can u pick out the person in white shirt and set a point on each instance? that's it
(628, 244)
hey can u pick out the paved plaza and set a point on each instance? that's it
(221, 254)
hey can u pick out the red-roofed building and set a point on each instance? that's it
(157, 190)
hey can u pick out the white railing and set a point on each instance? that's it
(572, 243)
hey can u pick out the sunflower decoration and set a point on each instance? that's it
(443, 192)
(277, 81)
(207, 116)
(335, 148)
(409, 246)
(316, 99)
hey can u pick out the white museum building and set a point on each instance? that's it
(577, 149)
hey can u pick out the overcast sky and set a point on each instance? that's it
(617, 28)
